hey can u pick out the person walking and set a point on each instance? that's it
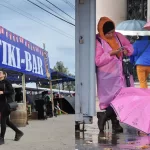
(6, 92)
(47, 98)
(141, 59)
(110, 47)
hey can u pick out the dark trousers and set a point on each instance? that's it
(6, 121)
(110, 112)
(55, 111)
(40, 113)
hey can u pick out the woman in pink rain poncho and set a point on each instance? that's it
(110, 78)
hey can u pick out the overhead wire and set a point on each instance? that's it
(60, 9)
(69, 3)
(51, 13)
(46, 24)
(53, 27)
(50, 9)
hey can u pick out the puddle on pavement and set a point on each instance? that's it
(129, 140)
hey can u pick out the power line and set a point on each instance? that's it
(69, 3)
(52, 28)
(50, 8)
(60, 9)
(51, 13)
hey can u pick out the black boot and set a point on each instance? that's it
(102, 118)
(2, 141)
(18, 135)
(116, 126)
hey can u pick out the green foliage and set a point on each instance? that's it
(70, 86)
(61, 68)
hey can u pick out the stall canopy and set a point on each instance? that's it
(56, 78)
(19, 56)
(62, 77)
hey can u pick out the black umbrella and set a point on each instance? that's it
(127, 66)
(127, 69)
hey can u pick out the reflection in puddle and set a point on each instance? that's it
(127, 140)
(107, 138)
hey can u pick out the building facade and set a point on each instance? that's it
(120, 10)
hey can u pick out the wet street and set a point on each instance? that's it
(92, 140)
(129, 140)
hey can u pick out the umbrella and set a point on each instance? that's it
(131, 25)
(126, 71)
(132, 106)
(134, 33)
(126, 67)
(132, 28)
(147, 26)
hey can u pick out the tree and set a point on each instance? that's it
(61, 68)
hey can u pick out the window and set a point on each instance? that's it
(137, 9)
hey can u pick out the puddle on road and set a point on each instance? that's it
(129, 140)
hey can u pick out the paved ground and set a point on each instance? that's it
(52, 134)
(92, 140)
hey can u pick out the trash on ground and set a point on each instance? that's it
(130, 142)
(108, 149)
(89, 142)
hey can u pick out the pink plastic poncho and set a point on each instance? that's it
(110, 78)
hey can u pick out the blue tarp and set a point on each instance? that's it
(16, 78)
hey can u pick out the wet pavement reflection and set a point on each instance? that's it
(129, 140)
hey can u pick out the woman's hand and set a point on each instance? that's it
(1, 92)
(125, 52)
(114, 52)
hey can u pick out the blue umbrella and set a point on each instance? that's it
(131, 25)
(132, 28)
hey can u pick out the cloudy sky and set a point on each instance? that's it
(26, 20)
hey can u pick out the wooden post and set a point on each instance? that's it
(24, 89)
(52, 99)
(50, 85)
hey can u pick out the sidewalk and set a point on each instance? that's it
(52, 134)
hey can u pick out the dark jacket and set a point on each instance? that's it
(8, 90)
(19, 97)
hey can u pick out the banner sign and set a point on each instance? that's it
(20, 55)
